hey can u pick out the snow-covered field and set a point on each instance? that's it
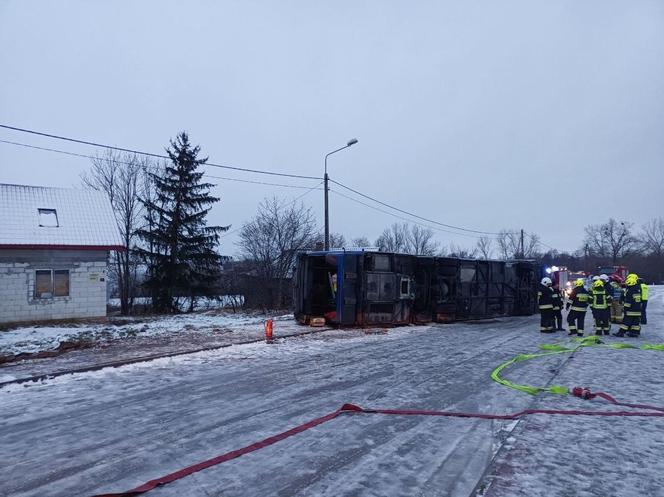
(113, 429)
(31, 339)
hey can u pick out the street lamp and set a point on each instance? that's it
(326, 188)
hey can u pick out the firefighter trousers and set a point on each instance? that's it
(602, 321)
(644, 318)
(575, 321)
(631, 323)
(616, 311)
(546, 320)
(557, 319)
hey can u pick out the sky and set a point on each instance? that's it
(539, 115)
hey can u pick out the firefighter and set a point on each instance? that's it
(609, 290)
(632, 303)
(557, 309)
(600, 308)
(644, 301)
(577, 305)
(545, 303)
(592, 285)
(616, 304)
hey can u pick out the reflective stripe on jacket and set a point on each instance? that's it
(545, 297)
(600, 300)
(632, 300)
(580, 299)
(557, 300)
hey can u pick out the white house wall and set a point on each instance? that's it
(87, 285)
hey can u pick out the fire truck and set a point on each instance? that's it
(564, 279)
(618, 272)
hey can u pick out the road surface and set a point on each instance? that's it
(113, 429)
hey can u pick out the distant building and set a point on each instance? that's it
(54, 247)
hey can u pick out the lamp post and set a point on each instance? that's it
(326, 188)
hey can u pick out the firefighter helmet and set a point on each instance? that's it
(579, 282)
(595, 278)
(598, 284)
(604, 278)
(546, 281)
(631, 279)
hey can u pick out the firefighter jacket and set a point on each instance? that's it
(644, 292)
(579, 299)
(632, 300)
(599, 299)
(545, 297)
(557, 300)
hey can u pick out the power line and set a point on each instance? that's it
(292, 202)
(414, 215)
(401, 217)
(117, 161)
(149, 154)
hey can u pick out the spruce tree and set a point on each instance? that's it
(180, 247)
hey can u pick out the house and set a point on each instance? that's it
(54, 248)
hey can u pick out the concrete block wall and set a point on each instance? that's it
(87, 290)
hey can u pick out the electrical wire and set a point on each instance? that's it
(414, 215)
(117, 161)
(256, 171)
(149, 154)
(292, 202)
(401, 217)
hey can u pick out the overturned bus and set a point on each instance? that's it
(356, 288)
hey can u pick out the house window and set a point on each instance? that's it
(48, 218)
(61, 283)
(51, 283)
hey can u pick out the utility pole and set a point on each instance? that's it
(327, 210)
(326, 188)
(522, 251)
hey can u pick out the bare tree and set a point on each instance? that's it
(460, 252)
(484, 247)
(274, 236)
(653, 236)
(517, 245)
(394, 238)
(612, 239)
(118, 175)
(361, 241)
(420, 241)
(337, 240)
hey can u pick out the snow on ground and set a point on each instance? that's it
(113, 429)
(565, 456)
(32, 339)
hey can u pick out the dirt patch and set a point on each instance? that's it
(62, 348)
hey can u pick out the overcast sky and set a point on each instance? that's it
(543, 115)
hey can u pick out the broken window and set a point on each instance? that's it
(51, 283)
(48, 218)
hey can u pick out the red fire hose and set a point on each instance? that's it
(584, 393)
